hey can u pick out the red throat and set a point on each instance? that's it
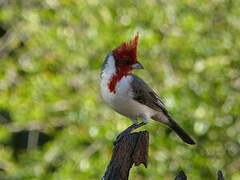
(121, 72)
(114, 80)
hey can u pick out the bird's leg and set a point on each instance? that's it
(128, 131)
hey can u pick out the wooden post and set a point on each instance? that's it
(132, 149)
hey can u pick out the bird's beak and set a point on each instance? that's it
(137, 65)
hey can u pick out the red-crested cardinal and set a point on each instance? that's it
(129, 95)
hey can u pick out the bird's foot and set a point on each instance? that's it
(119, 137)
(127, 131)
(124, 133)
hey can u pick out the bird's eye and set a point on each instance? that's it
(128, 62)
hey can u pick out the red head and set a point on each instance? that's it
(126, 56)
(125, 61)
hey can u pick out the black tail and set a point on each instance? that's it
(180, 132)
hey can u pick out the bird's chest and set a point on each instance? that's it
(120, 96)
(121, 100)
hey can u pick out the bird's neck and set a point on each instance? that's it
(110, 76)
(114, 80)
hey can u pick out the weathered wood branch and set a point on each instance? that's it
(132, 149)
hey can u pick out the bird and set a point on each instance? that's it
(129, 95)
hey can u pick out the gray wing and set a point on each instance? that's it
(145, 95)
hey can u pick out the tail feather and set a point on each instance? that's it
(174, 126)
(181, 132)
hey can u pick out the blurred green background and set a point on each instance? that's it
(54, 124)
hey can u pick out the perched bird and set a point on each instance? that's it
(129, 95)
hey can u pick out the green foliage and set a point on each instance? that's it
(51, 53)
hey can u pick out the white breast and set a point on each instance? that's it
(121, 100)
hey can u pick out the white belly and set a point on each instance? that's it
(133, 109)
(122, 102)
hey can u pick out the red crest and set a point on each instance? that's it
(127, 50)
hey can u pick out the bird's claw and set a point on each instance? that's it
(116, 141)
(119, 137)
(127, 131)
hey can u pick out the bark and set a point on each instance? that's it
(132, 149)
